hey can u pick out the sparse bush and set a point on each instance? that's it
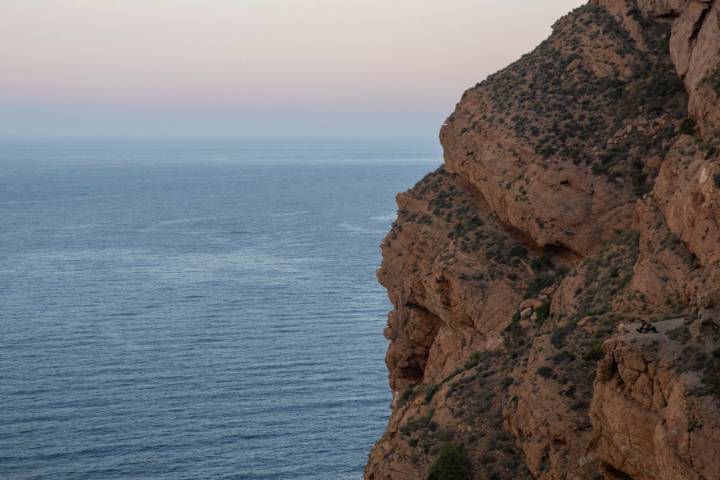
(711, 377)
(418, 423)
(539, 283)
(444, 435)
(680, 334)
(557, 338)
(563, 357)
(687, 127)
(478, 358)
(452, 463)
(543, 312)
(707, 365)
(473, 361)
(594, 353)
(425, 220)
(406, 395)
(542, 263)
(699, 361)
(546, 372)
(430, 392)
(518, 251)
(714, 80)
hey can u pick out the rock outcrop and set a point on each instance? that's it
(580, 194)
(652, 419)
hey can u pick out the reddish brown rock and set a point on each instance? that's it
(580, 194)
(649, 421)
(688, 194)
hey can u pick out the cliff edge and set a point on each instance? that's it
(579, 195)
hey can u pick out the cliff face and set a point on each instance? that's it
(579, 195)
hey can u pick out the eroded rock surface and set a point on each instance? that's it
(652, 418)
(579, 195)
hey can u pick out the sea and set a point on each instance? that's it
(181, 309)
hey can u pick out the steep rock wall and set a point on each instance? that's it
(579, 194)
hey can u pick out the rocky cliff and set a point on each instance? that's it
(579, 195)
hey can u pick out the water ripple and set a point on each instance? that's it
(191, 320)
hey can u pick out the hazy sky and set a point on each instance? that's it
(253, 67)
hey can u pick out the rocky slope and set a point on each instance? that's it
(580, 194)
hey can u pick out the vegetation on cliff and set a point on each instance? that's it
(579, 196)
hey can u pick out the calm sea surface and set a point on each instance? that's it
(188, 311)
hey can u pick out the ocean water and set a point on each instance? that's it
(186, 310)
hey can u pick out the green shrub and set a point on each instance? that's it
(542, 263)
(711, 377)
(716, 179)
(546, 372)
(474, 360)
(543, 312)
(680, 334)
(430, 392)
(418, 423)
(687, 127)
(707, 365)
(425, 220)
(452, 463)
(444, 435)
(714, 80)
(518, 251)
(406, 395)
(638, 177)
(483, 357)
(562, 358)
(557, 338)
(539, 283)
(699, 361)
(594, 354)
(598, 169)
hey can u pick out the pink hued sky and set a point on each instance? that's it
(253, 67)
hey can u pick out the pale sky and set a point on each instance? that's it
(253, 67)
